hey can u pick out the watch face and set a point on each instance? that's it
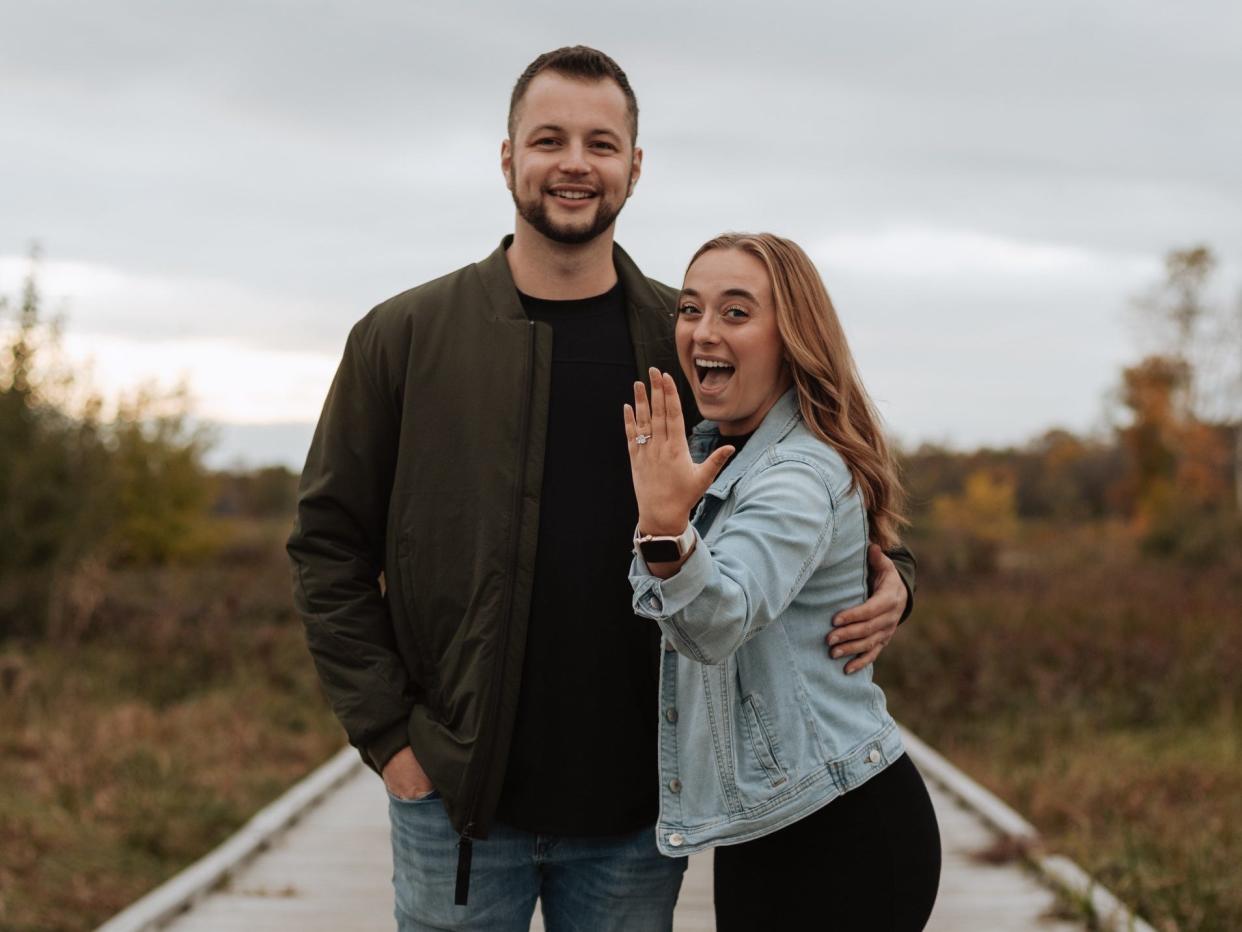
(660, 551)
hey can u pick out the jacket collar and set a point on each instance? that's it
(502, 294)
(778, 422)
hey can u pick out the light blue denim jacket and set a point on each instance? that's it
(759, 726)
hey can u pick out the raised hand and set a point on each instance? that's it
(667, 482)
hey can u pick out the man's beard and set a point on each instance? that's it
(534, 213)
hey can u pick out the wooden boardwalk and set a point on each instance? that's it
(331, 871)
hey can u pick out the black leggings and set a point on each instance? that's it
(868, 860)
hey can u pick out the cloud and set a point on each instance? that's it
(983, 188)
(105, 301)
(227, 381)
(916, 252)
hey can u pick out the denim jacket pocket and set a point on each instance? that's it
(763, 739)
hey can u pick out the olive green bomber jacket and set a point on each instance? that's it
(414, 545)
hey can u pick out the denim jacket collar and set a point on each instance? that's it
(775, 425)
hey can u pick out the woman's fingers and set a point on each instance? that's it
(642, 410)
(631, 427)
(659, 423)
(672, 407)
(713, 464)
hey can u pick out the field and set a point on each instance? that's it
(1094, 689)
(1098, 693)
(128, 754)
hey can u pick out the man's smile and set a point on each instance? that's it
(572, 193)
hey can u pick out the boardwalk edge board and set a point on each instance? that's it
(1057, 870)
(180, 892)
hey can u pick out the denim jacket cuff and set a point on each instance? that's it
(659, 599)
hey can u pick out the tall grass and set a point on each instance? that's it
(186, 704)
(1097, 691)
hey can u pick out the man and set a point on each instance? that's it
(463, 537)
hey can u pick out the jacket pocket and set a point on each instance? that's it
(422, 664)
(763, 739)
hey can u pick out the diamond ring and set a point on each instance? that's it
(642, 438)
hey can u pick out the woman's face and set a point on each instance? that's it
(727, 340)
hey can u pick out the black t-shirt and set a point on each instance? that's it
(736, 442)
(583, 759)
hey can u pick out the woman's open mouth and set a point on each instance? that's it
(713, 374)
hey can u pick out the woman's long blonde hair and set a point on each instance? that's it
(831, 396)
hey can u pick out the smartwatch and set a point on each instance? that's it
(664, 549)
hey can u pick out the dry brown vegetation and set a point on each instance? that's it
(133, 750)
(1096, 690)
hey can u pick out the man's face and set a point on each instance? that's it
(570, 164)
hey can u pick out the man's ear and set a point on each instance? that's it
(506, 162)
(636, 169)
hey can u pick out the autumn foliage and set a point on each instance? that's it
(1169, 471)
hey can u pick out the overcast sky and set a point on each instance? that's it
(222, 189)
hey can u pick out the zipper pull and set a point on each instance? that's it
(465, 849)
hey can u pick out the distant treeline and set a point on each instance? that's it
(1170, 470)
(967, 508)
(270, 492)
(82, 493)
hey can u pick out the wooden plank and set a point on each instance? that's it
(1109, 913)
(977, 896)
(204, 875)
(332, 870)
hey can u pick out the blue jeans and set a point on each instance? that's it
(588, 884)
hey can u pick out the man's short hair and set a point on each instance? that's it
(583, 63)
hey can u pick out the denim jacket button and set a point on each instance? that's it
(674, 785)
(676, 839)
(874, 756)
(671, 714)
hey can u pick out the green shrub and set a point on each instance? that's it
(78, 492)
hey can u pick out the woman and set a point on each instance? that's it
(794, 768)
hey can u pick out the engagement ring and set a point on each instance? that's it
(642, 438)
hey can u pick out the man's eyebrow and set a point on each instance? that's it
(554, 128)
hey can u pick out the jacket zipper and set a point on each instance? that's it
(465, 843)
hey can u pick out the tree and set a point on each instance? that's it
(78, 491)
(1178, 458)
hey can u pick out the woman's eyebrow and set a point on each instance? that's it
(728, 293)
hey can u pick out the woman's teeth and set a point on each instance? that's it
(713, 373)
